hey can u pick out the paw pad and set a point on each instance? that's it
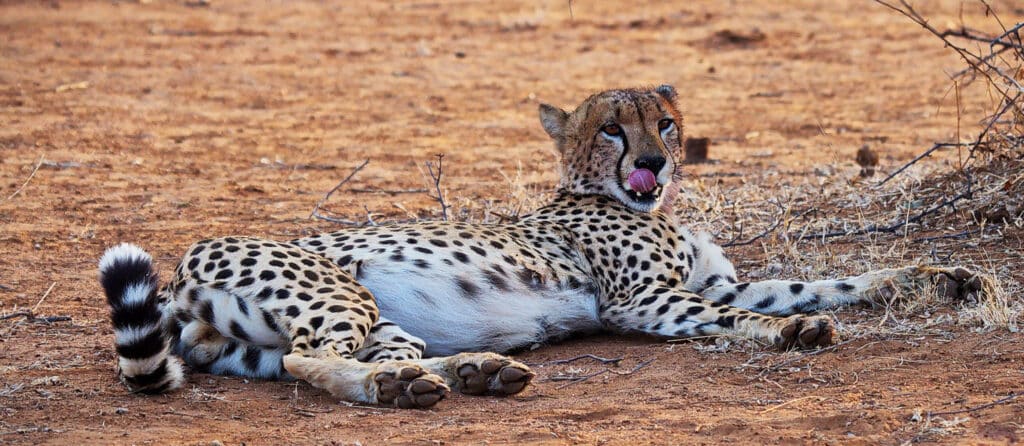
(808, 332)
(494, 376)
(410, 388)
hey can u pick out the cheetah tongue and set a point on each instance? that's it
(642, 180)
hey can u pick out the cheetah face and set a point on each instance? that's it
(621, 144)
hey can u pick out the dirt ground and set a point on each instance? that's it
(165, 122)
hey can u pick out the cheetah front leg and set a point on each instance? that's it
(714, 278)
(674, 312)
(786, 297)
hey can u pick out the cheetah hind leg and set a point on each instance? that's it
(396, 383)
(481, 373)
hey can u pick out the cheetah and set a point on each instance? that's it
(403, 314)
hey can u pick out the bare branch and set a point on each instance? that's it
(316, 208)
(614, 361)
(34, 170)
(1005, 399)
(436, 176)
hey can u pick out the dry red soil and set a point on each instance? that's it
(165, 122)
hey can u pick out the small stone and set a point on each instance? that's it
(120, 411)
(867, 159)
(696, 150)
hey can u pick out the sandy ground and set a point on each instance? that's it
(165, 122)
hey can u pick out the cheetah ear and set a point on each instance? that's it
(668, 92)
(553, 120)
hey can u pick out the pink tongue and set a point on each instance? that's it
(642, 180)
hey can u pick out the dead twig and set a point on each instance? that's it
(778, 222)
(34, 170)
(790, 402)
(387, 191)
(962, 234)
(1006, 399)
(614, 361)
(580, 378)
(316, 208)
(41, 299)
(31, 317)
(923, 155)
(767, 370)
(892, 228)
(436, 176)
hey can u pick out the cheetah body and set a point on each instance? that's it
(399, 314)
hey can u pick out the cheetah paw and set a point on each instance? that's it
(484, 373)
(954, 283)
(807, 332)
(408, 386)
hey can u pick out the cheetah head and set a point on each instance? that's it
(620, 143)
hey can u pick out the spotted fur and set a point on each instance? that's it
(399, 314)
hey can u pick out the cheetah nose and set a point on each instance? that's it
(652, 163)
(642, 180)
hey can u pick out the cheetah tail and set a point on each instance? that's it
(145, 363)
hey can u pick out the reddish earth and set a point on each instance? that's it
(166, 122)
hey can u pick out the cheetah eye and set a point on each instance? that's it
(665, 123)
(612, 130)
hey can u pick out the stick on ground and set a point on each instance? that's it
(316, 208)
(34, 170)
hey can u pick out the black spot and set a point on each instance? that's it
(844, 287)
(726, 321)
(251, 357)
(312, 276)
(206, 312)
(267, 275)
(223, 274)
(141, 348)
(316, 322)
(695, 310)
(469, 289)
(342, 326)
(765, 303)
(796, 288)
(742, 286)
(496, 280)
(288, 274)
(317, 305)
(461, 257)
(192, 264)
(303, 296)
(245, 282)
(727, 299)
(269, 320)
(283, 294)
(239, 333)
(243, 307)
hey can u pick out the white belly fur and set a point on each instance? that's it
(429, 304)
